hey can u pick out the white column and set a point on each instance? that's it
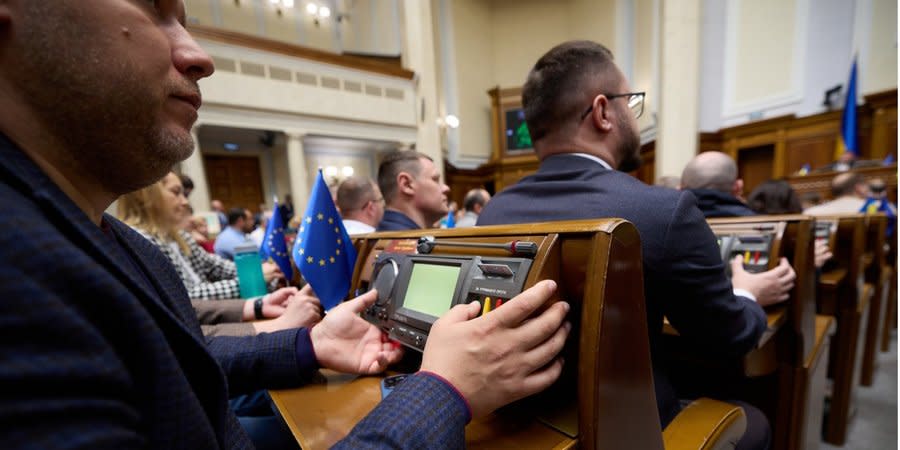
(297, 170)
(679, 90)
(418, 55)
(193, 167)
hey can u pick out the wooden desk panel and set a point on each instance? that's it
(322, 413)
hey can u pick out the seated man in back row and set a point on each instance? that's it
(583, 123)
(101, 348)
(413, 191)
(713, 179)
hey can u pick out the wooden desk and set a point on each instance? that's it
(771, 376)
(324, 412)
(843, 294)
(607, 377)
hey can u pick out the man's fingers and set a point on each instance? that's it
(537, 330)
(359, 304)
(520, 307)
(461, 313)
(737, 264)
(543, 353)
(307, 290)
(541, 379)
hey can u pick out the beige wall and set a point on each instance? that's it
(765, 62)
(496, 42)
(474, 75)
(645, 52)
(881, 73)
(239, 17)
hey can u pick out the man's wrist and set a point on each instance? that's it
(744, 293)
(258, 308)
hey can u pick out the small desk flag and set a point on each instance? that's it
(323, 251)
(274, 247)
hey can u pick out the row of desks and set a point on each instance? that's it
(785, 376)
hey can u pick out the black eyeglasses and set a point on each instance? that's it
(635, 103)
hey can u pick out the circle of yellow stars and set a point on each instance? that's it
(278, 232)
(339, 241)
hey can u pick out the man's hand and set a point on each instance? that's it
(822, 253)
(271, 271)
(769, 287)
(345, 342)
(274, 304)
(303, 310)
(503, 355)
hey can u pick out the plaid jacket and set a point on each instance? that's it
(218, 276)
(100, 347)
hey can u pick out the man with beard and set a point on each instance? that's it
(582, 117)
(101, 347)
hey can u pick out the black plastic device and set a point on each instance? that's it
(755, 248)
(415, 290)
(389, 383)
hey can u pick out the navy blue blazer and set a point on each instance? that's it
(396, 221)
(684, 276)
(100, 347)
(719, 204)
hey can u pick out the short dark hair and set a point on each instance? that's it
(354, 192)
(844, 184)
(235, 214)
(474, 197)
(562, 83)
(187, 183)
(774, 197)
(394, 163)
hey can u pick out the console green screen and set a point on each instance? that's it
(431, 289)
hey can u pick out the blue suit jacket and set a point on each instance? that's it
(100, 347)
(719, 204)
(396, 221)
(684, 276)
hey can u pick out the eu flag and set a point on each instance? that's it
(847, 139)
(323, 250)
(274, 246)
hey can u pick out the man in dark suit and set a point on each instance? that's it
(100, 346)
(414, 195)
(582, 115)
(713, 179)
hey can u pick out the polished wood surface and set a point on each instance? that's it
(772, 376)
(877, 274)
(808, 421)
(322, 413)
(297, 51)
(847, 299)
(820, 182)
(605, 395)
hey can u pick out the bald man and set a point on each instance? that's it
(712, 178)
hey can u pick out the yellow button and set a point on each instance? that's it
(487, 306)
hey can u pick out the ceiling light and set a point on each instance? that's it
(288, 3)
(324, 11)
(452, 121)
(347, 171)
(312, 8)
(331, 171)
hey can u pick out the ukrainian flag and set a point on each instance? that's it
(847, 140)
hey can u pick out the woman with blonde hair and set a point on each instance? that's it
(156, 212)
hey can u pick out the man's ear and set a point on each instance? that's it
(601, 114)
(737, 189)
(405, 183)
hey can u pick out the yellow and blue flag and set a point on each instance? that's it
(847, 139)
(274, 247)
(323, 251)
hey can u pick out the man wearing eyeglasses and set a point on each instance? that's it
(361, 205)
(582, 116)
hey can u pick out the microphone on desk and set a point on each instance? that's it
(516, 248)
